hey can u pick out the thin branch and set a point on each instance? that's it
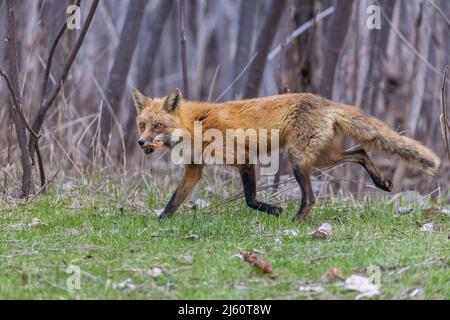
(182, 18)
(17, 104)
(439, 10)
(409, 44)
(46, 103)
(299, 31)
(282, 83)
(237, 78)
(308, 41)
(40, 165)
(51, 54)
(73, 55)
(44, 187)
(444, 118)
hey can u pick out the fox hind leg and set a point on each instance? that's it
(247, 173)
(336, 157)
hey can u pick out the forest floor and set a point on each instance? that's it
(124, 252)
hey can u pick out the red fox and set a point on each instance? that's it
(307, 124)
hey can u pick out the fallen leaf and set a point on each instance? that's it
(415, 292)
(326, 228)
(199, 204)
(35, 222)
(25, 278)
(431, 212)
(428, 227)
(155, 272)
(319, 235)
(255, 260)
(186, 259)
(191, 237)
(278, 242)
(158, 212)
(323, 232)
(135, 272)
(128, 283)
(446, 211)
(404, 210)
(332, 274)
(291, 233)
(362, 285)
(314, 288)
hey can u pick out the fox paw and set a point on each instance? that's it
(388, 185)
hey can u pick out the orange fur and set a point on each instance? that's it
(307, 123)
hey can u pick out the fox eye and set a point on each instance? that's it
(158, 126)
(142, 126)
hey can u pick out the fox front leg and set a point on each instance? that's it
(192, 174)
(247, 173)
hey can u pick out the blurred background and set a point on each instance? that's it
(216, 50)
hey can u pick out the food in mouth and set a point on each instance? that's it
(158, 145)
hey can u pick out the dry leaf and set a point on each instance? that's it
(278, 242)
(431, 212)
(428, 227)
(332, 274)
(313, 288)
(291, 233)
(403, 210)
(255, 260)
(158, 212)
(362, 285)
(323, 232)
(128, 283)
(135, 272)
(191, 237)
(415, 292)
(155, 272)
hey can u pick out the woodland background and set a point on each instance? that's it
(213, 50)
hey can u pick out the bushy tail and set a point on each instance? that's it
(378, 136)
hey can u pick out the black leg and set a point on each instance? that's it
(249, 182)
(303, 177)
(192, 174)
(361, 157)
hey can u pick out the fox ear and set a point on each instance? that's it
(173, 101)
(139, 100)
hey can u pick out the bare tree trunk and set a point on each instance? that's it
(377, 57)
(335, 41)
(263, 46)
(306, 57)
(247, 17)
(146, 70)
(116, 85)
(417, 83)
(13, 71)
(155, 31)
(183, 51)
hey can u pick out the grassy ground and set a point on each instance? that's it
(196, 251)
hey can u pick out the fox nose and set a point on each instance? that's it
(141, 142)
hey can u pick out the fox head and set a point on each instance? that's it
(156, 119)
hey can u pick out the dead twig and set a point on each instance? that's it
(17, 104)
(182, 18)
(44, 187)
(46, 102)
(444, 117)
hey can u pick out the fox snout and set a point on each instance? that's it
(146, 145)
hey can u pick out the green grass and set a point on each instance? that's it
(196, 251)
